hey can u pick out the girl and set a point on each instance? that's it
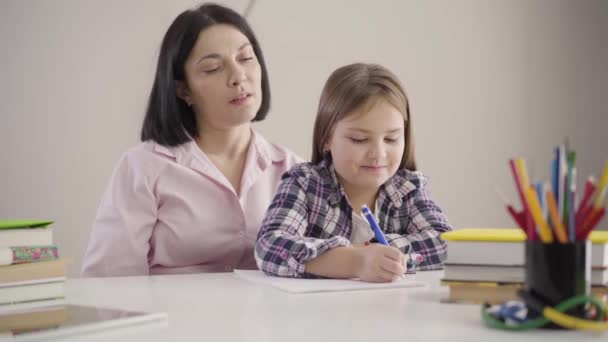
(363, 154)
(191, 197)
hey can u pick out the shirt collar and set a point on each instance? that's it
(393, 190)
(337, 191)
(259, 148)
(169, 151)
(266, 152)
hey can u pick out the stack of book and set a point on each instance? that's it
(30, 268)
(488, 265)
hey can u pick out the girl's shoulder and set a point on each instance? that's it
(306, 170)
(308, 174)
(405, 183)
(415, 178)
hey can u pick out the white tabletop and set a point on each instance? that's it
(223, 307)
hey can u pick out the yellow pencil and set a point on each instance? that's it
(520, 164)
(601, 188)
(558, 226)
(600, 193)
(523, 173)
(543, 228)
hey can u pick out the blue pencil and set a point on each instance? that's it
(555, 175)
(572, 208)
(540, 191)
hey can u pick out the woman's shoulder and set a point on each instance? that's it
(149, 157)
(277, 153)
(150, 151)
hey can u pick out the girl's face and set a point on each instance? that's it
(223, 78)
(367, 146)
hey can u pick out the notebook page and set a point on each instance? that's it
(294, 285)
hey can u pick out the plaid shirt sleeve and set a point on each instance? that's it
(426, 223)
(281, 247)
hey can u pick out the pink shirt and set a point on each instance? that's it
(170, 210)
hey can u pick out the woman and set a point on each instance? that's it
(191, 197)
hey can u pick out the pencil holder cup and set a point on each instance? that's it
(556, 272)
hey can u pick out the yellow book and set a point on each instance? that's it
(599, 236)
(506, 235)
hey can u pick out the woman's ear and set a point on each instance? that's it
(181, 90)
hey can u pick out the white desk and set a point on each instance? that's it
(223, 307)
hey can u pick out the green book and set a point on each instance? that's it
(21, 224)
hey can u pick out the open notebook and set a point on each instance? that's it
(293, 285)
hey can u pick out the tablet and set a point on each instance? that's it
(67, 320)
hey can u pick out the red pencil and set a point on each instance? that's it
(594, 219)
(582, 211)
(519, 217)
(528, 225)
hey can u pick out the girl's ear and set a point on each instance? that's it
(326, 146)
(181, 90)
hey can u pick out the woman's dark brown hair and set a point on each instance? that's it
(169, 121)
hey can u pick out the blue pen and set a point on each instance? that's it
(413, 260)
(374, 224)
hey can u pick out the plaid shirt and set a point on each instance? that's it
(310, 214)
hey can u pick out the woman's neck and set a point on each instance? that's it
(226, 144)
(227, 150)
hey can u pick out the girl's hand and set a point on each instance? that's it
(379, 264)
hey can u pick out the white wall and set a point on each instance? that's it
(487, 79)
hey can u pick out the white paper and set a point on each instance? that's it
(295, 285)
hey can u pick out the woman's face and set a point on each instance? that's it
(223, 78)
